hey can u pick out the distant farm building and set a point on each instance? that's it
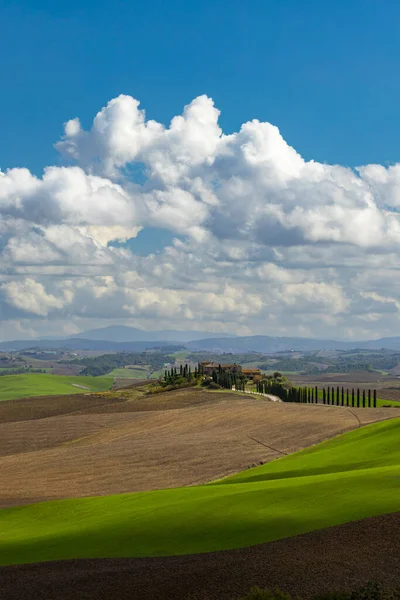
(207, 368)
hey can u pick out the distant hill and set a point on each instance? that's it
(256, 343)
(122, 333)
(81, 344)
(268, 344)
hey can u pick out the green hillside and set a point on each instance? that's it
(353, 476)
(43, 384)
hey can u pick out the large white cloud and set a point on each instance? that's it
(266, 241)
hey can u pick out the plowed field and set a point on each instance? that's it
(73, 446)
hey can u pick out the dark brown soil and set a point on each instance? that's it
(335, 559)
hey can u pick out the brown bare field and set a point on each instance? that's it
(96, 444)
(389, 393)
(121, 382)
(339, 559)
(363, 378)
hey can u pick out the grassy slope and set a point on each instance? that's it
(38, 384)
(353, 476)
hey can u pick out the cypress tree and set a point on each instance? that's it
(363, 398)
(374, 398)
(369, 398)
(347, 397)
(323, 396)
(181, 370)
(316, 395)
(352, 397)
(342, 396)
(337, 396)
(358, 397)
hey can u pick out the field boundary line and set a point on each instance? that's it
(265, 446)
(356, 417)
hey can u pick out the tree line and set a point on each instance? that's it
(334, 396)
(173, 376)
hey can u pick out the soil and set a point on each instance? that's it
(389, 393)
(356, 379)
(340, 558)
(94, 444)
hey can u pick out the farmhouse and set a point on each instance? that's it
(208, 367)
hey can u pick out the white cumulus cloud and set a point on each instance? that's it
(265, 241)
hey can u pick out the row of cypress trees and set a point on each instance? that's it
(330, 395)
(229, 380)
(185, 372)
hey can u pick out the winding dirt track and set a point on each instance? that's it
(339, 558)
(72, 446)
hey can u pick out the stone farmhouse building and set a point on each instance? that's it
(209, 367)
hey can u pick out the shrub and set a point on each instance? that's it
(211, 385)
(214, 386)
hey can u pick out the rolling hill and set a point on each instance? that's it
(37, 384)
(348, 478)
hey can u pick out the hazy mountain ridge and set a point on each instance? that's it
(123, 333)
(268, 344)
(256, 343)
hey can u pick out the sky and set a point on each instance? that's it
(218, 165)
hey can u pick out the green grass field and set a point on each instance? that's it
(180, 354)
(43, 384)
(350, 477)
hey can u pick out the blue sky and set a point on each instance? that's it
(325, 72)
(264, 241)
